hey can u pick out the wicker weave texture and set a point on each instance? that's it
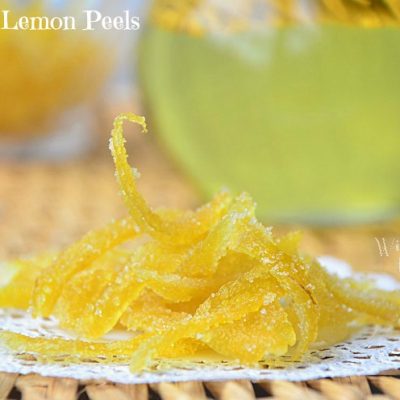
(353, 388)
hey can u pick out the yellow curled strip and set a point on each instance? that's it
(212, 283)
(177, 231)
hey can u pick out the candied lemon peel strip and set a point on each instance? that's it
(211, 283)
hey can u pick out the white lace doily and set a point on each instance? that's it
(372, 350)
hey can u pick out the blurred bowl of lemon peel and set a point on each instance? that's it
(50, 81)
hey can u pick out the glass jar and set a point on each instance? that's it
(295, 101)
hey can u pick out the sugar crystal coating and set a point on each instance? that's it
(213, 282)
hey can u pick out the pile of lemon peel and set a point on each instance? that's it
(212, 283)
(45, 73)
